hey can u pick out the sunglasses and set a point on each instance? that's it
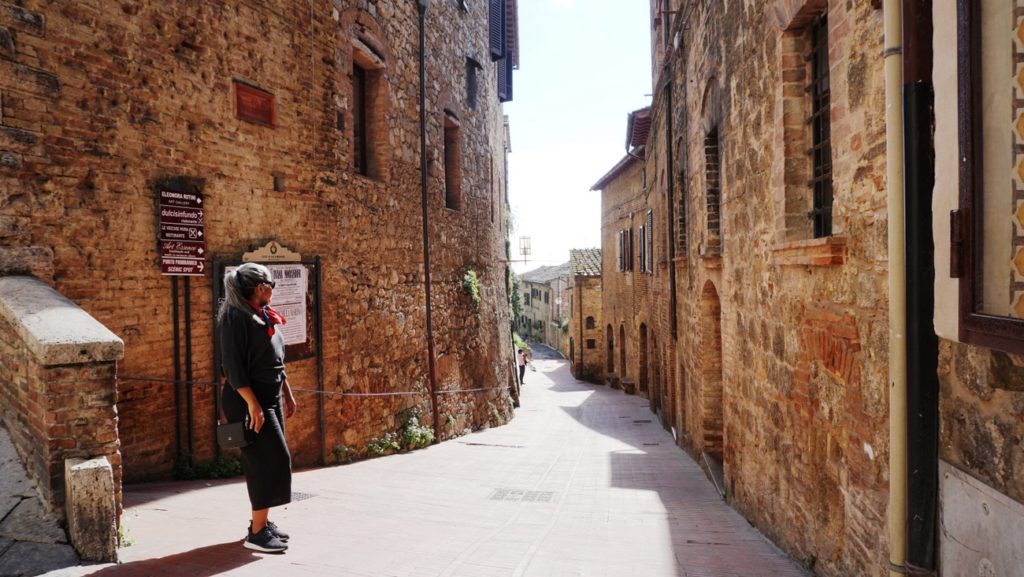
(269, 283)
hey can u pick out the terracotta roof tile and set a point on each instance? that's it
(585, 261)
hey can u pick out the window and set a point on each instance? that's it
(472, 81)
(591, 344)
(988, 230)
(452, 162)
(590, 322)
(360, 146)
(625, 250)
(681, 216)
(643, 247)
(368, 104)
(526, 299)
(713, 192)
(546, 301)
(820, 125)
(649, 251)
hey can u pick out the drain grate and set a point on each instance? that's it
(296, 497)
(638, 421)
(518, 495)
(651, 444)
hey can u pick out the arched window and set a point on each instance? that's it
(590, 322)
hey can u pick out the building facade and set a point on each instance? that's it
(586, 339)
(786, 209)
(751, 306)
(543, 308)
(299, 131)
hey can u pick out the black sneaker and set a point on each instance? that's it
(265, 541)
(275, 531)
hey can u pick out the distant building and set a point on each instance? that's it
(543, 308)
(586, 340)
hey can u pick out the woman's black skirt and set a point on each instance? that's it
(266, 461)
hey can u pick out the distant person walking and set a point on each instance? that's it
(521, 360)
(252, 355)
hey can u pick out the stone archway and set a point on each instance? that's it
(712, 418)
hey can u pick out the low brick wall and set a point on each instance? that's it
(57, 384)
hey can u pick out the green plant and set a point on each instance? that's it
(496, 419)
(415, 435)
(471, 284)
(385, 445)
(220, 468)
(519, 342)
(449, 421)
(124, 536)
(342, 453)
(564, 326)
(515, 295)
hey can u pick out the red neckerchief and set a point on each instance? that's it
(271, 318)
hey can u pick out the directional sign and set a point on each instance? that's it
(181, 232)
(182, 240)
(181, 249)
(182, 267)
(175, 215)
(181, 199)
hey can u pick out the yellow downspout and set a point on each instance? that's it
(893, 56)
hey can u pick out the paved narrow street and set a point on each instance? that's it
(583, 482)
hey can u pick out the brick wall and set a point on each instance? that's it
(625, 295)
(102, 102)
(57, 393)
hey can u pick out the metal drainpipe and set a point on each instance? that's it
(188, 369)
(422, 8)
(893, 66)
(175, 320)
(922, 343)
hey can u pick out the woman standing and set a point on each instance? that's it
(252, 355)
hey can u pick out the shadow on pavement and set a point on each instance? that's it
(202, 562)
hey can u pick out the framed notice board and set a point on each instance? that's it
(296, 296)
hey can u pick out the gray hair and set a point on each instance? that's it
(239, 285)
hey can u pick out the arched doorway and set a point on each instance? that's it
(712, 419)
(622, 352)
(642, 369)
(609, 338)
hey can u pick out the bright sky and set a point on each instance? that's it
(584, 65)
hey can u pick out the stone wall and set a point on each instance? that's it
(778, 369)
(105, 103)
(57, 385)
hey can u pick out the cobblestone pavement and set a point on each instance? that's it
(582, 483)
(31, 539)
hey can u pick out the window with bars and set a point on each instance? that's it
(821, 147)
(713, 191)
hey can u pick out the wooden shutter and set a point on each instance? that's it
(498, 30)
(650, 241)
